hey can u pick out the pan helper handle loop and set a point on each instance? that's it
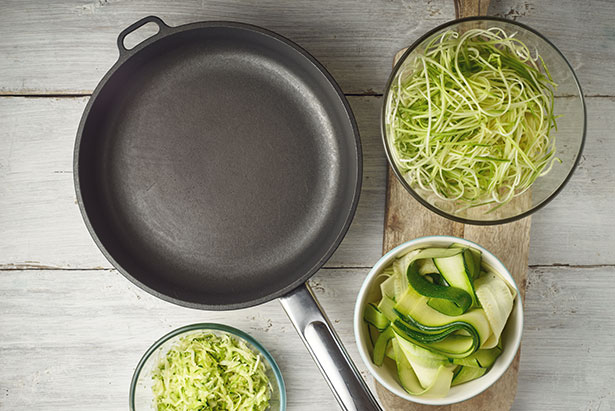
(162, 29)
(327, 350)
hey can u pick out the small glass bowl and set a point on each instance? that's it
(141, 396)
(570, 133)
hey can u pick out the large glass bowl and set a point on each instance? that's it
(141, 395)
(570, 134)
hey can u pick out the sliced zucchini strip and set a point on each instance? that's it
(448, 300)
(458, 271)
(411, 383)
(496, 299)
(465, 374)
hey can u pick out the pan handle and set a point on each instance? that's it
(326, 348)
(162, 27)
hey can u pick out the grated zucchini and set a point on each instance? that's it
(210, 372)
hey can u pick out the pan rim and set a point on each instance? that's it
(358, 172)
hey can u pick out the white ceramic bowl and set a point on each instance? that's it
(387, 375)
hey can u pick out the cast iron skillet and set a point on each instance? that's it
(218, 166)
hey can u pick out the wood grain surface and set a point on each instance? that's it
(71, 338)
(468, 8)
(65, 46)
(39, 37)
(40, 224)
(72, 329)
(406, 219)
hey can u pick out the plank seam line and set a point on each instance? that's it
(47, 268)
(557, 265)
(81, 95)
(11, 267)
(363, 94)
(51, 95)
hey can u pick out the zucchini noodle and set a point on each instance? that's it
(470, 118)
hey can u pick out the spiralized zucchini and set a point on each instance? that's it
(210, 372)
(470, 118)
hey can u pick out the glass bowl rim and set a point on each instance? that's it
(403, 181)
(204, 327)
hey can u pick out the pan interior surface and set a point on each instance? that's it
(218, 167)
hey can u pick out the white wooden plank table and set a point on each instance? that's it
(72, 328)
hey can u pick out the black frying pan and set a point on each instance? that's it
(218, 166)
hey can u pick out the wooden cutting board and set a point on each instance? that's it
(406, 219)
